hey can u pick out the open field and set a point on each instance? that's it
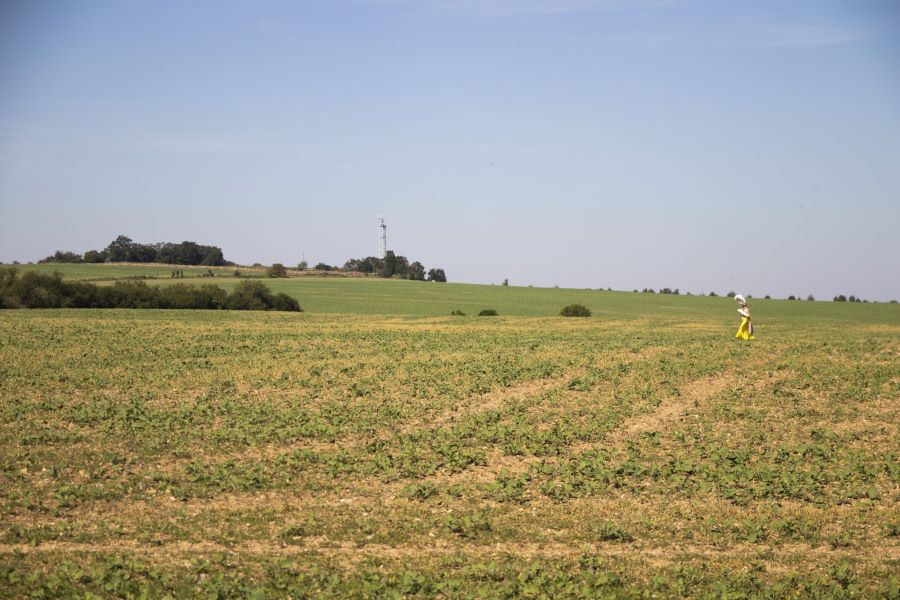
(110, 271)
(642, 452)
(376, 296)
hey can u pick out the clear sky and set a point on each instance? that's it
(693, 144)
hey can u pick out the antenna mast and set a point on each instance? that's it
(382, 237)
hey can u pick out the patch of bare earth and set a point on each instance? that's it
(353, 552)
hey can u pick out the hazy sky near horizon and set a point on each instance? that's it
(693, 144)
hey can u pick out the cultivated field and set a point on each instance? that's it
(111, 271)
(642, 452)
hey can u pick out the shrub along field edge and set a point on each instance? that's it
(39, 290)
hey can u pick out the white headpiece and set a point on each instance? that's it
(740, 299)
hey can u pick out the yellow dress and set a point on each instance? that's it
(745, 331)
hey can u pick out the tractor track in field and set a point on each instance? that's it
(355, 552)
(473, 405)
(499, 398)
(677, 407)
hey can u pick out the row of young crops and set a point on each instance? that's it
(234, 454)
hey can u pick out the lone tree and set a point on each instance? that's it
(437, 275)
(118, 249)
(276, 270)
(416, 271)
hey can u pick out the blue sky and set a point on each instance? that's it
(704, 145)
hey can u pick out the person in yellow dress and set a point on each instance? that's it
(745, 331)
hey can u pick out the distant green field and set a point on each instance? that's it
(417, 298)
(87, 272)
(374, 296)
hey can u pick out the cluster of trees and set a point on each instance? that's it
(437, 275)
(321, 266)
(852, 298)
(63, 257)
(393, 265)
(124, 249)
(730, 294)
(39, 290)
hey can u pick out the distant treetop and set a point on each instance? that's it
(393, 265)
(124, 249)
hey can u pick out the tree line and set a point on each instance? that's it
(731, 294)
(40, 290)
(393, 265)
(124, 249)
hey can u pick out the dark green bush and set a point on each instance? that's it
(250, 295)
(458, 313)
(575, 310)
(283, 302)
(488, 312)
(36, 290)
(182, 295)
